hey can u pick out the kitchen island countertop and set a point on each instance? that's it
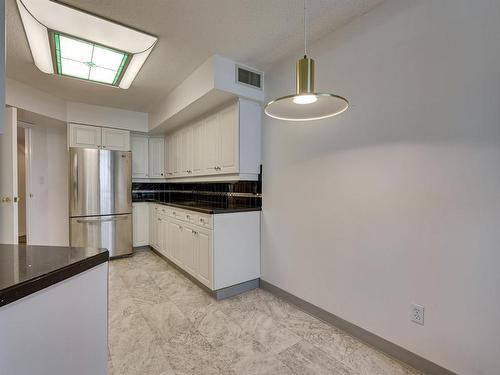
(26, 269)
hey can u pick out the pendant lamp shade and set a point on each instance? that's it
(306, 104)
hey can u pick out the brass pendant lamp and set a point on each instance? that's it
(305, 104)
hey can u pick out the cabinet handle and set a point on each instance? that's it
(188, 216)
(202, 220)
(161, 174)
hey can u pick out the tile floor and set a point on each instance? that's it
(162, 323)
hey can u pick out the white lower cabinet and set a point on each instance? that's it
(204, 256)
(218, 250)
(140, 219)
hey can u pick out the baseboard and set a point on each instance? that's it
(395, 351)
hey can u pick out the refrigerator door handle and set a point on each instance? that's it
(97, 221)
(74, 163)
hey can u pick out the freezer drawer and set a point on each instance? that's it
(113, 232)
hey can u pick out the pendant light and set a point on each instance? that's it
(305, 104)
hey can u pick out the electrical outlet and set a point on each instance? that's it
(417, 314)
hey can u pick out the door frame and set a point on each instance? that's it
(8, 185)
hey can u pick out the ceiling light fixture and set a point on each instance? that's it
(68, 42)
(305, 104)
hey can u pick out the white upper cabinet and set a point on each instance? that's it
(198, 141)
(148, 156)
(228, 140)
(210, 145)
(84, 136)
(225, 143)
(140, 156)
(96, 137)
(115, 139)
(157, 157)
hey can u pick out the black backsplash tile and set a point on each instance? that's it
(216, 193)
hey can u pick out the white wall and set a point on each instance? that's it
(23, 96)
(49, 223)
(397, 200)
(106, 116)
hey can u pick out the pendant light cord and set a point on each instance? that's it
(305, 29)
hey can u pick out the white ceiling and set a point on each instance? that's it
(254, 32)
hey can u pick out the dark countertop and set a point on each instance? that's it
(27, 269)
(206, 208)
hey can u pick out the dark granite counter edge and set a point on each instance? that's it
(200, 209)
(23, 289)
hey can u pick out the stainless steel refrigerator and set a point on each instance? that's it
(100, 199)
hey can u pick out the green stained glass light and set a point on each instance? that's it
(89, 61)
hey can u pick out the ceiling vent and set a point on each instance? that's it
(249, 77)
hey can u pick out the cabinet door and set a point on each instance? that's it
(228, 140)
(175, 158)
(156, 157)
(174, 241)
(115, 139)
(197, 145)
(165, 244)
(140, 215)
(154, 227)
(204, 256)
(169, 151)
(188, 250)
(140, 156)
(151, 223)
(186, 151)
(84, 136)
(211, 145)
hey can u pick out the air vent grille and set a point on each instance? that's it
(248, 77)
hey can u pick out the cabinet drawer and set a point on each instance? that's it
(204, 220)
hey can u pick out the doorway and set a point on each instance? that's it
(22, 182)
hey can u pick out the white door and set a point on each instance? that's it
(228, 140)
(156, 157)
(211, 145)
(188, 250)
(115, 139)
(204, 256)
(8, 179)
(197, 145)
(84, 136)
(140, 215)
(140, 156)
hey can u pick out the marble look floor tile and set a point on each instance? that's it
(331, 340)
(190, 299)
(242, 348)
(166, 318)
(161, 323)
(262, 365)
(189, 352)
(149, 361)
(368, 361)
(212, 323)
(268, 333)
(306, 359)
